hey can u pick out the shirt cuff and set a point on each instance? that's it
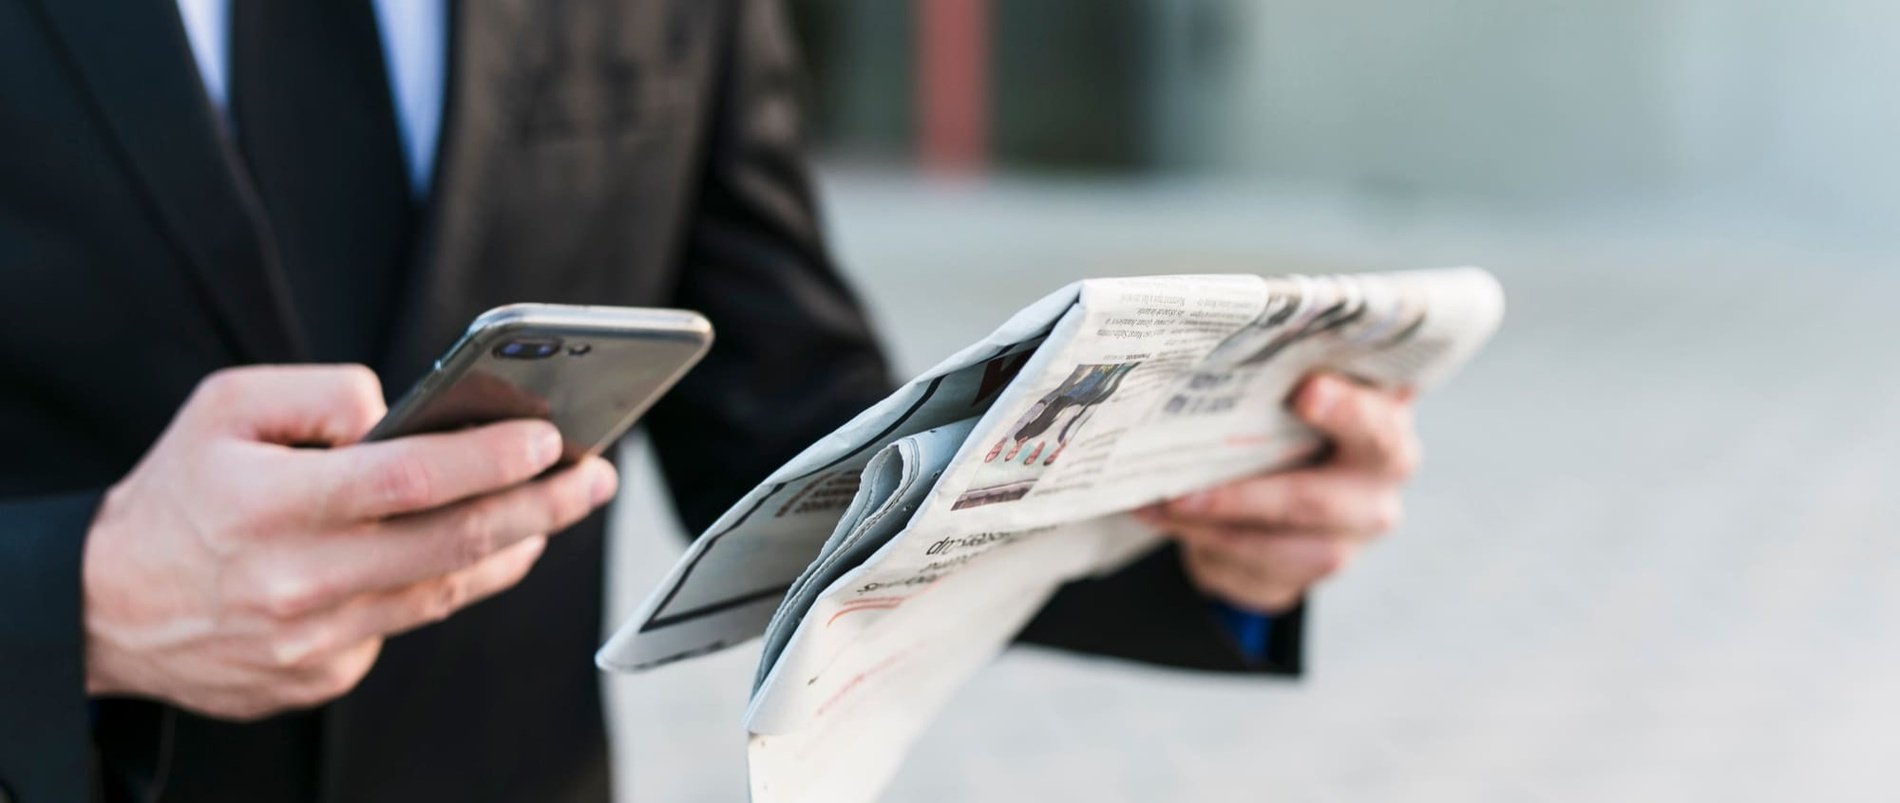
(1251, 632)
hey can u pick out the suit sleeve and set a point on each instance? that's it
(45, 731)
(796, 357)
(794, 354)
(1150, 612)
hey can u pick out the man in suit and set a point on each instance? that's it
(215, 213)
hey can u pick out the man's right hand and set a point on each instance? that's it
(237, 574)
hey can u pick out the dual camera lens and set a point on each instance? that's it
(529, 348)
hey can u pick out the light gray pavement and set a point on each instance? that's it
(1652, 556)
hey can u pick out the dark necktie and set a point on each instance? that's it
(315, 123)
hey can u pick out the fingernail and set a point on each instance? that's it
(547, 445)
(1319, 397)
(1197, 502)
(606, 481)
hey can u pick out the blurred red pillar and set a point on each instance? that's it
(953, 85)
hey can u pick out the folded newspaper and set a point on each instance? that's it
(896, 556)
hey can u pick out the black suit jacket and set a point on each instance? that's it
(633, 152)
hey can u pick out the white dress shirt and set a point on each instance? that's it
(415, 48)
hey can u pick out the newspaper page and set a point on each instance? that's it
(908, 548)
(733, 577)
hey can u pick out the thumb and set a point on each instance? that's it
(290, 405)
(1369, 428)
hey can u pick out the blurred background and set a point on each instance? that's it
(1651, 555)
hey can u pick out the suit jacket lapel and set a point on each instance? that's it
(484, 42)
(136, 62)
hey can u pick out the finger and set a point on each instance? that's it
(424, 472)
(315, 638)
(1224, 580)
(1370, 429)
(291, 405)
(399, 610)
(412, 549)
(274, 683)
(1315, 499)
(1297, 559)
(321, 681)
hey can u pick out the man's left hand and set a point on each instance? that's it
(1261, 542)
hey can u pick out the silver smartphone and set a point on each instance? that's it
(592, 371)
